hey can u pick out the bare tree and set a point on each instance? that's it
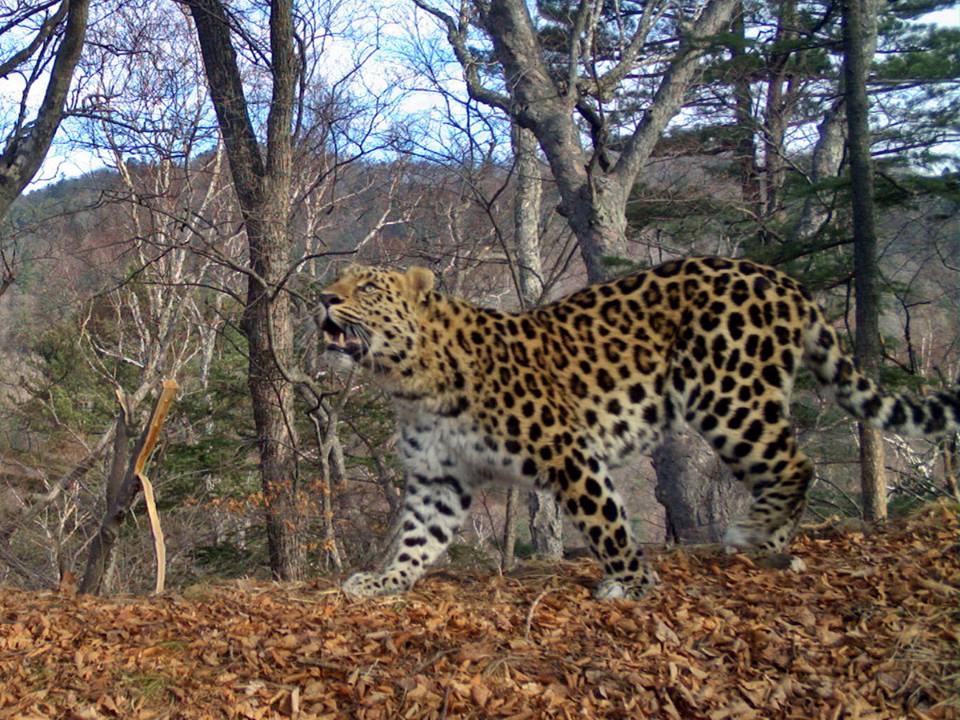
(288, 164)
(7, 273)
(548, 99)
(262, 182)
(148, 324)
(161, 318)
(697, 490)
(865, 270)
(171, 211)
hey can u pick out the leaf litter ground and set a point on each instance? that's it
(871, 630)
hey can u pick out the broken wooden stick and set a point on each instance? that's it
(157, 419)
(102, 546)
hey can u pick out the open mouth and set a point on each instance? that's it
(342, 339)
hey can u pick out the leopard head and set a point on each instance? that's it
(373, 318)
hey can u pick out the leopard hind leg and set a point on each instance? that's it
(757, 443)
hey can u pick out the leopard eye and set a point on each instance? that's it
(368, 287)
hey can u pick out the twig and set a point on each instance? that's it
(446, 702)
(430, 661)
(533, 608)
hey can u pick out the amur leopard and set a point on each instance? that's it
(556, 396)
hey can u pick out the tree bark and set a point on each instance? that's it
(9, 277)
(950, 457)
(27, 146)
(508, 557)
(546, 526)
(776, 109)
(866, 273)
(526, 216)
(263, 189)
(324, 418)
(698, 492)
(825, 163)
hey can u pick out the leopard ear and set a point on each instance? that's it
(351, 269)
(421, 280)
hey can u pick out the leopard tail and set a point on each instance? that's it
(933, 415)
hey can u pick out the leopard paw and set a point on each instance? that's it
(368, 585)
(783, 561)
(613, 588)
(749, 535)
(741, 536)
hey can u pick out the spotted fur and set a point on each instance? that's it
(558, 395)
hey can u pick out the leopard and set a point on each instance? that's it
(556, 396)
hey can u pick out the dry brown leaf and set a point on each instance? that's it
(867, 635)
(480, 694)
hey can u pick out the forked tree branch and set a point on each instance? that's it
(27, 146)
(457, 37)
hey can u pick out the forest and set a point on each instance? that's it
(185, 479)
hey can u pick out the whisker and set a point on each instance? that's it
(347, 318)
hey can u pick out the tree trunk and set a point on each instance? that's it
(526, 216)
(268, 327)
(115, 481)
(598, 219)
(827, 158)
(263, 190)
(776, 110)
(697, 490)
(593, 193)
(9, 277)
(546, 527)
(746, 146)
(825, 163)
(324, 418)
(950, 468)
(866, 274)
(121, 450)
(546, 524)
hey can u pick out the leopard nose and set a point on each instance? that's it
(328, 299)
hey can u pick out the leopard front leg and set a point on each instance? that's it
(434, 508)
(588, 496)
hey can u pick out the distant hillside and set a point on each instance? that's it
(59, 197)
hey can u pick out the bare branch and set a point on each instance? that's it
(457, 37)
(670, 93)
(27, 146)
(14, 62)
